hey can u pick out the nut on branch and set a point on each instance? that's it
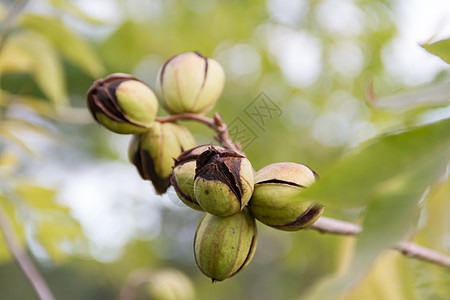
(224, 246)
(273, 201)
(190, 82)
(183, 175)
(223, 181)
(152, 152)
(122, 104)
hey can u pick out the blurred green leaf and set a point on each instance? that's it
(9, 161)
(10, 211)
(55, 232)
(436, 229)
(69, 7)
(358, 177)
(125, 48)
(53, 226)
(427, 95)
(3, 12)
(39, 105)
(440, 48)
(398, 171)
(30, 53)
(39, 197)
(72, 46)
(11, 129)
(15, 57)
(6, 134)
(385, 281)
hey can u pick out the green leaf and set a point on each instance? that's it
(9, 210)
(30, 53)
(126, 47)
(57, 233)
(3, 13)
(354, 180)
(389, 219)
(15, 57)
(440, 48)
(38, 105)
(69, 7)
(53, 226)
(39, 197)
(434, 94)
(9, 162)
(11, 128)
(436, 228)
(391, 177)
(72, 46)
(6, 134)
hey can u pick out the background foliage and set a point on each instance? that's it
(88, 220)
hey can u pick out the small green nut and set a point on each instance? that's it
(190, 82)
(224, 246)
(122, 103)
(223, 181)
(183, 174)
(153, 151)
(273, 201)
(166, 284)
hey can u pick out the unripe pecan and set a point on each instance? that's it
(224, 246)
(223, 181)
(183, 175)
(273, 201)
(190, 82)
(122, 104)
(152, 152)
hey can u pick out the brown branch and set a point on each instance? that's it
(25, 263)
(217, 124)
(327, 225)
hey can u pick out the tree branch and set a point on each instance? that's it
(217, 124)
(25, 263)
(327, 225)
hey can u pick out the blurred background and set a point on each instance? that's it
(91, 224)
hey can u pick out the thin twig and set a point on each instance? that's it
(327, 225)
(25, 263)
(223, 137)
(187, 116)
(216, 124)
(429, 255)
